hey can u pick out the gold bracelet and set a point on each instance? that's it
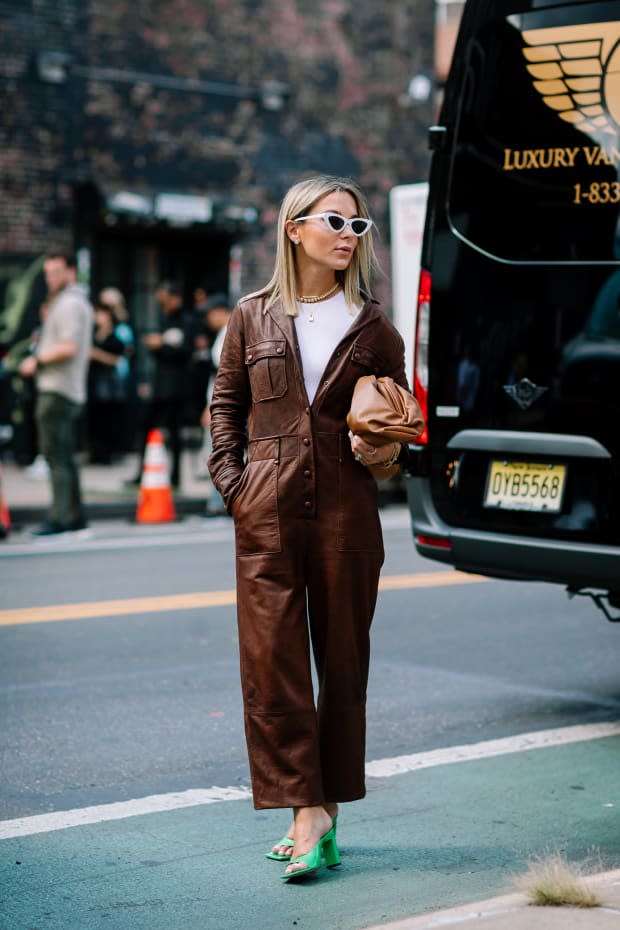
(392, 459)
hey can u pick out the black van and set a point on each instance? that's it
(517, 359)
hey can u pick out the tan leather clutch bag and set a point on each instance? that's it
(383, 412)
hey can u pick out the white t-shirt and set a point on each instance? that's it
(69, 318)
(320, 327)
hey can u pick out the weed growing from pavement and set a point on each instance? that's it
(554, 881)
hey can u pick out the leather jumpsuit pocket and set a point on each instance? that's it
(358, 525)
(266, 364)
(255, 509)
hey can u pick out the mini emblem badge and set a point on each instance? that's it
(525, 393)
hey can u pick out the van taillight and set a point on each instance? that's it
(420, 364)
(436, 542)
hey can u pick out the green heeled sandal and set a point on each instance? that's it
(287, 841)
(325, 849)
(281, 857)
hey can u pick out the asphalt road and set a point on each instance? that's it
(107, 708)
(115, 705)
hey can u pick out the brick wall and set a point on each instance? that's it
(348, 63)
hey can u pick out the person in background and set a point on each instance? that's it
(171, 347)
(38, 468)
(202, 304)
(305, 507)
(113, 298)
(59, 364)
(201, 367)
(201, 299)
(217, 315)
(106, 388)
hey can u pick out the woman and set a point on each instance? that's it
(113, 298)
(308, 537)
(106, 392)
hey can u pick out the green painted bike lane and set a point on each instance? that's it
(420, 841)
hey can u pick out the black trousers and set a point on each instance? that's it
(167, 414)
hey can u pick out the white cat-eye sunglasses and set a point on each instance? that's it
(358, 225)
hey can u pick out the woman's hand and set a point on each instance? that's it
(366, 454)
(106, 358)
(28, 367)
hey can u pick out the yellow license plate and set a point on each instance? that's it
(525, 486)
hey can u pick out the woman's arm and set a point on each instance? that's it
(229, 412)
(385, 460)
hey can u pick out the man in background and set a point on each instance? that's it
(59, 365)
(171, 348)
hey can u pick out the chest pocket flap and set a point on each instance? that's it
(266, 363)
(366, 358)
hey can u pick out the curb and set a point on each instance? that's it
(125, 509)
(105, 510)
(500, 907)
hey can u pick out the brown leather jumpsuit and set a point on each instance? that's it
(308, 547)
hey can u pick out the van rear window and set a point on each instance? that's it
(536, 150)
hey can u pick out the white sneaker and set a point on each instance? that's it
(84, 533)
(38, 470)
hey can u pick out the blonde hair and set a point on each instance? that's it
(113, 298)
(300, 201)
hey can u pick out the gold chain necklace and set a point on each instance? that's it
(315, 300)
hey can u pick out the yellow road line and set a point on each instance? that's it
(428, 580)
(200, 599)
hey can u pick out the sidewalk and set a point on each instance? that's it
(513, 912)
(105, 495)
(103, 490)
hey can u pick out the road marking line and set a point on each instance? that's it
(429, 580)
(384, 768)
(381, 768)
(116, 608)
(162, 603)
(155, 803)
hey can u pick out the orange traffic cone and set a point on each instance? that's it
(5, 516)
(155, 501)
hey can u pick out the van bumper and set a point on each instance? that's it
(526, 558)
